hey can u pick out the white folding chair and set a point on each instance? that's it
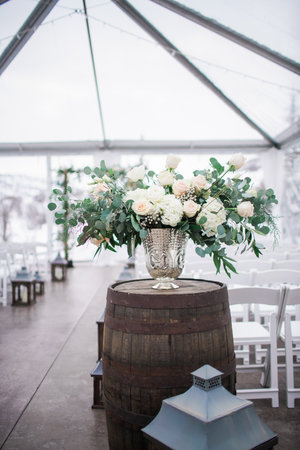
(254, 333)
(290, 333)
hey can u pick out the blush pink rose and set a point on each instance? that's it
(180, 187)
(190, 208)
(142, 207)
(199, 182)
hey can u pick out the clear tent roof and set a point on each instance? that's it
(48, 91)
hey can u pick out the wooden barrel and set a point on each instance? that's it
(153, 340)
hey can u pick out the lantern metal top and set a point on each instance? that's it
(59, 260)
(23, 275)
(209, 417)
(207, 378)
(207, 400)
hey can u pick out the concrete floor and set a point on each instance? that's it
(47, 352)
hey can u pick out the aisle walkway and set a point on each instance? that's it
(47, 353)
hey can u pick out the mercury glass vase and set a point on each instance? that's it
(165, 252)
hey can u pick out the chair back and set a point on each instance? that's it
(289, 264)
(276, 276)
(256, 294)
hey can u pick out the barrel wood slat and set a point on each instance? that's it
(153, 340)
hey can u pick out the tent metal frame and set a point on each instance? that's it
(29, 27)
(44, 7)
(230, 34)
(167, 45)
(133, 146)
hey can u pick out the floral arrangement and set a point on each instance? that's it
(215, 207)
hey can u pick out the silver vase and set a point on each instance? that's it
(165, 252)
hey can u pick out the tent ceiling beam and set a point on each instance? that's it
(175, 52)
(230, 34)
(132, 146)
(290, 136)
(28, 28)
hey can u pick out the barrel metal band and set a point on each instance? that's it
(204, 323)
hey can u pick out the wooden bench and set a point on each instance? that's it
(97, 372)
(98, 392)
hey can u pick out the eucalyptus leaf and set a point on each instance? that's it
(87, 170)
(52, 206)
(143, 234)
(200, 252)
(202, 220)
(103, 165)
(73, 222)
(60, 221)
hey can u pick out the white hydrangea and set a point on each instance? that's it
(171, 210)
(215, 213)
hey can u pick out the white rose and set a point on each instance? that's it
(237, 161)
(165, 178)
(190, 208)
(199, 182)
(154, 193)
(137, 173)
(180, 187)
(136, 194)
(172, 161)
(142, 207)
(245, 209)
(215, 214)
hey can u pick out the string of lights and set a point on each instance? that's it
(195, 58)
(139, 37)
(48, 22)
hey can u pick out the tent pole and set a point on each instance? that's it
(94, 71)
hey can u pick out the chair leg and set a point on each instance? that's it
(273, 360)
(270, 374)
(289, 368)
